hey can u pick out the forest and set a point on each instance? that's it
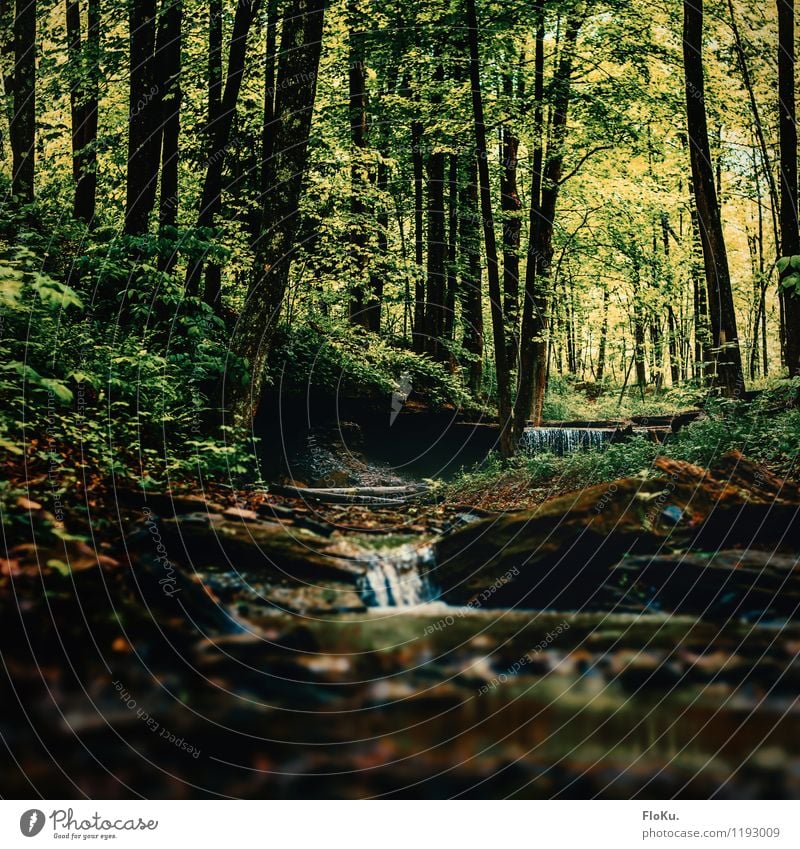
(315, 308)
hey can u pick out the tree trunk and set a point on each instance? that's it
(471, 290)
(268, 130)
(437, 257)
(144, 128)
(23, 121)
(601, 351)
(378, 269)
(702, 335)
(727, 355)
(512, 226)
(6, 67)
(357, 111)
(211, 198)
(301, 42)
(452, 243)
(790, 236)
(495, 296)
(84, 60)
(418, 330)
(639, 336)
(533, 302)
(168, 55)
(533, 357)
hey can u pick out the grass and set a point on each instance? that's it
(766, 430)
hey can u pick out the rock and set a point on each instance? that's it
(561, 555)
(253, 562)
(556, 556)
(241, 513)
(719, 585)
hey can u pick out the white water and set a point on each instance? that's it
(564, 440)
(399, 578)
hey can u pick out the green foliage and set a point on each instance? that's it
(80, 392)
(354, 363)
(568, 400)
(766, 429)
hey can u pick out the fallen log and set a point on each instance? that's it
(368, 496)
(299, 491)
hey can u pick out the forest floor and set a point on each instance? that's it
(589, 622)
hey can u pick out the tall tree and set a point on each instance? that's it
(418, 167)
(727, 355)
(168, 53)
(534, 302)
(437, 255)
(511, 205)
(452, 247)
(213, 280)
(23, 119)
(144, 136)
(84, 62)
(301, 42)
(471, 290)
(534, 345)
(211, 198)
(493, 274)
(790, 235)
(357, 78)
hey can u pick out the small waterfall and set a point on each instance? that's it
(398, 578)
(564, 440)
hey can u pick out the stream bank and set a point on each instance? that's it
(573, 650)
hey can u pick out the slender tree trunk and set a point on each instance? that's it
(168, 54)
(512, 226)
(759, 280)
(23, 121)
(728, 360)
(674, 357)
(639, 335)
(377, 270)
(301, 42)
(790, 236)
(471, 291)
(7, 68)
(495, 295)
(268, 130)
(211, 198)
(212, 289)
(84, 61)
(534, 300)
(657, 352)
(702, 333)
(452, 247)
(144, 128)
(437, 256)
(359, 177)
(533, 365)
(418, 332)
(601, 351)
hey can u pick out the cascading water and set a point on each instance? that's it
(399, 578)
(564, 440)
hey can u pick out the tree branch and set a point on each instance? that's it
(583, 161)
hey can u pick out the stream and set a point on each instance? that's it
(634, 639)
(417, 681)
